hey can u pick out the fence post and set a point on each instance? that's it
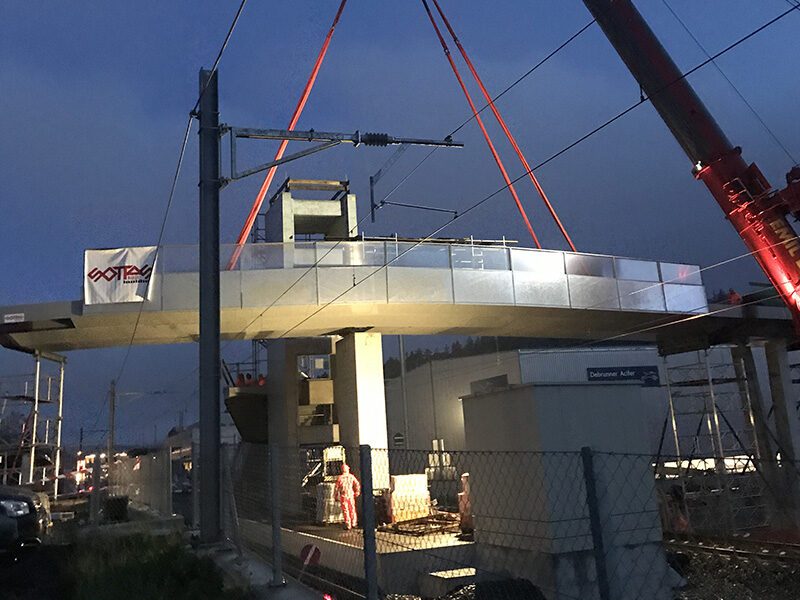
(94, 501)
(368, 516)
(275, 496)
(594, 523)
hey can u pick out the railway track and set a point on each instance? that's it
(737, 547)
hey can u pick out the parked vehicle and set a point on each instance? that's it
(24, 518)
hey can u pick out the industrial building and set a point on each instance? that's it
(431, 408)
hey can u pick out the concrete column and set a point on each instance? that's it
(281, 413)
(781, 486)
(361, 402)
(745, 368)
(787, 426)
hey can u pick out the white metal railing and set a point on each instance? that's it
(319, 272)
(184, 258)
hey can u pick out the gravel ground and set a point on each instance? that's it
(709, 578)
(721, 578)
(511, 589)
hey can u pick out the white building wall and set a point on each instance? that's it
(452, 379)
(439, 415)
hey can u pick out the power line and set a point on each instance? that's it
(557, 154)
(766, 127)
(548, 160)
(645, 99)
(508, 88)
(174, 184)
(176, 175)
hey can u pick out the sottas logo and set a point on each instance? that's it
(124, 273)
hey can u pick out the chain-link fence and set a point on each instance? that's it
(145, 479)
(554, 525)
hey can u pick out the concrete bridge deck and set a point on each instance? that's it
(386, 287)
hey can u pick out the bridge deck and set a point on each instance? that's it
(309, 289)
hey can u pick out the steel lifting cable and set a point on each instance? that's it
(506, 130)
(301, 103)
(479, 120)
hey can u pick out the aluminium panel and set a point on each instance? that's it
(350, 254)
(533, 289)
(636, 270)
(544, 263)
(353, 284)
(482, 287)
(641, 295)
(230, 289)
(593, 292)
(589, 265)
(408, 254)
(420, 285)
(686, 298)
(680, 274)
(180, 291)
(479, 257)
(294, 286)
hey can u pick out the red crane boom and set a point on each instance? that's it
(756, 210)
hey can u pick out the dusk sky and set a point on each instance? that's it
(95, 96)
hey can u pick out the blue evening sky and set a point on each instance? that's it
(94, 97)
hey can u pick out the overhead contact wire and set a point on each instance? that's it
(479, 120)
(490, 103)
(508, 88)
(176, 175)
(298, 110)
(752, 109)
(553, 157)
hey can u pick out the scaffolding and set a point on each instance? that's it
(717, 461)
(32, 454)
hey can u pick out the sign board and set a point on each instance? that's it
(118, 275)
(647, 375)
(14, 318)
(399, 440)
(310, 555)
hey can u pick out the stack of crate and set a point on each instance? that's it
(329, 511)
(409, 497)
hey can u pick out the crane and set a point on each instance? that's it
(754, 208)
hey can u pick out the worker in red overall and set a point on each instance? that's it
(347, 490)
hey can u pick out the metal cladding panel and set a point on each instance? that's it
(593, 265)
(542, 262)
(686, 298)
(347, 285)
(479, 257)
(641, 295)
(257, 257)
(680, 274)
(407, 254)
(262, 288)
(472, 286)
(230, 289)
(351, 254)
(533, 289)
(408, 284)
(180, 291)
(155, 292)
(593, 292)
(178, 259)
(636, 270)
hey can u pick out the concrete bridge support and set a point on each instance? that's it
(361, 401)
